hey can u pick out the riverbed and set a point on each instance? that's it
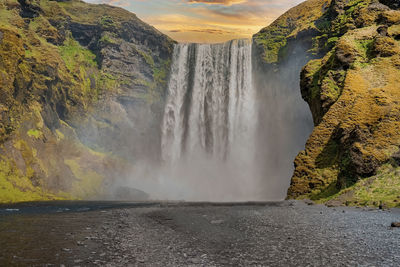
(289, 233)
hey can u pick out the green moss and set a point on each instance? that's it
(7, 16)
(107, 82)
(88, 183)
(332, 29)
(34, 133)
(381, 189)
(384, 187)
(365, 48)
(107, 22)
(60, 135)
(27, 153)
(28, 53)
(325, 194)
(160, 73)
(332, 42)
(273, 41)
(74, 55)
(15, 187)
(107, 39)
(147, 57)
(330, 88)
(89, 82)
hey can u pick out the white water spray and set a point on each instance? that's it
(210, 106)
(229, 132)
(208, 131)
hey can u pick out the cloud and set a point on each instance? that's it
(210, 31)
(219, 2)
(206, 20)
(197, 29)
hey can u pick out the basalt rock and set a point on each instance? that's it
(391, 3)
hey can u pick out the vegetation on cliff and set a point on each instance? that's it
(353, 92)
(294, 24)
(59, 62)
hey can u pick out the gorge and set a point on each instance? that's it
(121, 147)
(95, 100)
(218, 144)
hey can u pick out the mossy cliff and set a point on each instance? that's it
(353, 90)
(75, 79)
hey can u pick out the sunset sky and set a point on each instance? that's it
(206, 20)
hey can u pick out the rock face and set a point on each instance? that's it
(77, 81)
(280, 52)
(353, 93)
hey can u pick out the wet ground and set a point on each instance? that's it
(178, 234)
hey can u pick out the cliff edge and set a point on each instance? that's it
(353, 91)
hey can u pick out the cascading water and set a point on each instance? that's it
(210, 120)
(210, 106)
(230, 130)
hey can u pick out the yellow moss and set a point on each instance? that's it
(60, 135)
(394, 30)
(88, 183)
(381, 189)
(35, 133)
(33, 61)
(15, 187)
(273, 39)
(369, 102)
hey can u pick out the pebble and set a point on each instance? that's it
(270, 236)
(395, 224)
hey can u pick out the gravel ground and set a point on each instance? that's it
(274, 234)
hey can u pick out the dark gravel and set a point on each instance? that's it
(275, 234)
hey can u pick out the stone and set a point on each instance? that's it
(309, 202)
(395, 224)
(130, 194)
(395, 4)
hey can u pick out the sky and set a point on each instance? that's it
(206, 21)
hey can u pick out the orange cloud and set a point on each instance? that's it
(206, 21)
(214, 29)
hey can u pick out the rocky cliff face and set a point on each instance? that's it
(77, 82)
(280, 51)
(353, 93)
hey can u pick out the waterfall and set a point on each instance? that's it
(210, 109)
(230, 129)
(209, 125)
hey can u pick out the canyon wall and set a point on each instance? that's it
(78, 83)
(352, 89)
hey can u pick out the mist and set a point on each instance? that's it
(284, 118)
(229, 130)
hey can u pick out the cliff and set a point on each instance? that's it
(77, 82)
(352, 88)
